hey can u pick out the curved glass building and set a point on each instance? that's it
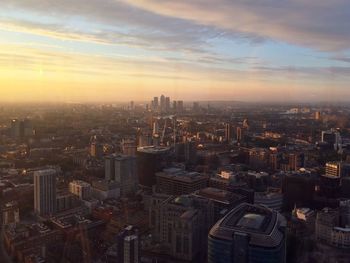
(248, 234)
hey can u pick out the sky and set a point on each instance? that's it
(120, 50)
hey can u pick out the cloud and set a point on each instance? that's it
(112, 22)
(320, 24)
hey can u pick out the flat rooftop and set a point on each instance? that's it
(153, 149)
(181, 175)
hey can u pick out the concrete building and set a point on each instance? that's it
(81, 189)
(65, 201)
(128, 245)
(248, 233)
(45, 192)
(128, 147)
(126, 174)
(10, 213)
(337, 169)
(326, 220)
(333, 169)
(333, 226)
(102, 190)
(122, 169)
(167, 104)
(150, 160)
(162, 103)
(96, 149)
(272, 198)
(228, 132)
(332, 138)
(175, 181)
(180, 106)
(180, 224)
(223, 201)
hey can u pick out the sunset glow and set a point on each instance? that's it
(114, 50)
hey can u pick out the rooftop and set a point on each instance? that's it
(263, 225)
(153, 149)
(181, 175)
(251, 221)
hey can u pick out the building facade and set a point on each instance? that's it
(45, 192)
(248, 233)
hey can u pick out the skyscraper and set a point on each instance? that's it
(180, 106)
(167, 104)
(128, 245)
(45, 192)
(228, 132)
(332, 138)
(155, 103)
(151, 159)
(125, 174)
(247, 234)
(174, 106)
(109, 167)
(122, 169)
(162, 103)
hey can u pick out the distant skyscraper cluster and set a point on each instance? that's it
(163, 105)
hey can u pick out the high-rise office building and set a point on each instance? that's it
(180, 106)
(96, 149)
(155, 127)
(150, 160)
(174, 106)
(298, 189)
(155, 103)
(45, 192)
(332, 138)
(122, 169)
(126, 175)
(167, 104)
(128, 244)
(190, 152)
(241, 134)
(293, 162)
(247, 234)
(110, 167)
(162, 103)
(228, 132)
(128, 147)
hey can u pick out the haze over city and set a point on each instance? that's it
(87, 51)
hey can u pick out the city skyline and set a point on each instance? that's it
(60, 51)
